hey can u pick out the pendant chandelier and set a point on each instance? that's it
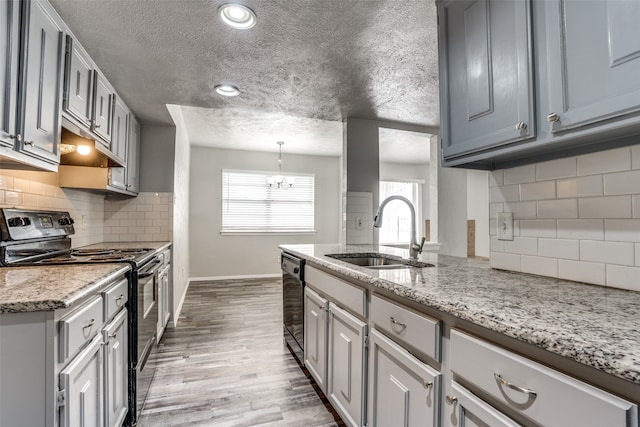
(280, 181)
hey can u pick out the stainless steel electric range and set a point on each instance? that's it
(33, 237)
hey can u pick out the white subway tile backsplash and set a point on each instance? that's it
(495, 208)
(493, 224)
(605, 161)
(507, 193)
(584, 186)
(619, 253)
(637, 251)
(521, 210)
(538, 228)
(538, 190)
(622, 183)
(6, 182)
(590, 272)
(539, 265)
(565, 208)
(496, 178)
(496, 245)
(520, 174)
(605, 207)
(622, 230)
(13, 198)
(590, 229)
(505, 261)
(623, 277)
(559, 248)
(561, 168)
(635, 157)
(522, 245)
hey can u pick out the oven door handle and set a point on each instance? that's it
(150, 269)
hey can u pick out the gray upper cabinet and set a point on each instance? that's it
(42, 72)
(9, 44)
(78, 83)
(593, 50)
(120, 135)
(133, 155)
(486, 75)
(102, 109)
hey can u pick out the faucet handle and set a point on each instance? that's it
(418, 247)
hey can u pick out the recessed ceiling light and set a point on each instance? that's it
(227, 90)
(237, 16)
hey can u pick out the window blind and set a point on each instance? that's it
(250, 206)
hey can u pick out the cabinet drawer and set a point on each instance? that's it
(343, 293)
(115, 298)
(541, 394)
(79, 327)
(413, 330)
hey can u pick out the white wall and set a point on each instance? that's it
(478, 208)
(576, 218)
(216, 255)
(180, 171)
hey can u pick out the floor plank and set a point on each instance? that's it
(226, 364)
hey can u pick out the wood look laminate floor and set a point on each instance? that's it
(226, 364)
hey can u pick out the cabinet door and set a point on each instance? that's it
(486, 74)
(9, 36)
(102, 109)
(78, 83)
(42, 74)
(347, 365)
(120, 134)
(133, 155)
(82, 381)
(467, 410)
(163, 302)
(593, 60)
(115, 370)
(402, 390)
(315, 336)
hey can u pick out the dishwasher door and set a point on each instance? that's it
(292, 303)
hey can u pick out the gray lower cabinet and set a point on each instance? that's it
(83, 382)
(164, 313)
(315, 336)
(469, 410)
(116, 388)
(403, 391)
(346, 365)
(486, 76)
(593, 54)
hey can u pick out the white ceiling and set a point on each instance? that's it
(304, 68)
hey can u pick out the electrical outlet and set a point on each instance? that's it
(505, 226)
(85, 222)
(359, 224)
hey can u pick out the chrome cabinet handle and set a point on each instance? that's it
(506, 383)
(396, 323)
(521, 126)
(112, 335)
(14, 136)
(427, 384)
(96, 125)
(451, 400)
(90, 324)
(119, 298)
(553, 117)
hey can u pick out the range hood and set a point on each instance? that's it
(95, 171)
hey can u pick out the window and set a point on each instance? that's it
(250, 206)
(396, 226)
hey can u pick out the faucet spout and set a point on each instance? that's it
(414, 247)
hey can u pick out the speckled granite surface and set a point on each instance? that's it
(593, 325)
(40, 288)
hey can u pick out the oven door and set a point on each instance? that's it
(147, 324)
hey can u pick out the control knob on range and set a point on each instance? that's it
(26, 221)
(63, 221)
(14, 222)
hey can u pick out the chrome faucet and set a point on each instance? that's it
(414, 247)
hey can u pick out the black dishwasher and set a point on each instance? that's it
(292, 303)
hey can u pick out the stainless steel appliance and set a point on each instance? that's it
(293, 303)
(32, 237)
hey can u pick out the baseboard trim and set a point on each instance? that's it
(174, 318)
(240, 277)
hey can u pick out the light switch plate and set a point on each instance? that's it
(505, 226)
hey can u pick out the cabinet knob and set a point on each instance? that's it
(553, 117)
(95, 125)
(427, 384)
(28, 143)
(14, 136)
(521, 126)
(451, 400)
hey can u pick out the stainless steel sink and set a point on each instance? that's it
(378, 261)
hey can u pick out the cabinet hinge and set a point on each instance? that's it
(61, 398)
(366, 342)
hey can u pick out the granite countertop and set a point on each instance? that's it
(51, 287)
(593, 325)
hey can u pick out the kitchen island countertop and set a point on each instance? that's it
(594, 325)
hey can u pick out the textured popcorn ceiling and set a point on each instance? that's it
(320, 60)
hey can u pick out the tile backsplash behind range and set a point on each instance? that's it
(145, 218)
(576, 218)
